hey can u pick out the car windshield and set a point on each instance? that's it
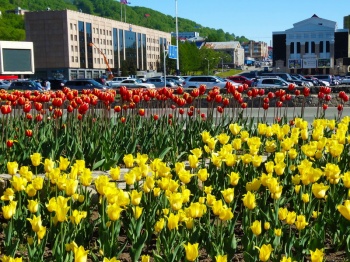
(221, 79)
(95, 83)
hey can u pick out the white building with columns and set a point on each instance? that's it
(314, 45)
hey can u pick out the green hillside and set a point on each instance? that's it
(12, 26)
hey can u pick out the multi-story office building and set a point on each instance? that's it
(312, 46)
(62, 45)
(257, 50)
(346, 22)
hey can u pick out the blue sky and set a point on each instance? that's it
(255, 19)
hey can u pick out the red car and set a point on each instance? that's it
(241, 79)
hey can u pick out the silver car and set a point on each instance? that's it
(209, 81)
(159, 82)
(4, 84)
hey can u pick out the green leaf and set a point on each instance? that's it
(98, 164)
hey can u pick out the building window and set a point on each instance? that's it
(321, 46)
(306, 47)
(298, 47)
(75, 38)
(76, 59)
(75, 27)
(72, 58)
(313, 49)
(71, 26)
(72, 48)
(71, 37)
(328, 47)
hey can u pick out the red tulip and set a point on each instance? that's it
(324, 106)
(155, 117)
(141, 112)
(123, 119)
(291, 86)
(328, 97)
(6, 109)
(340, 107)
(226, 101)
(218, 98)
(29, 133)
(181, 111)
(297, 92)
(266, 106)
(117, 109)
(39, 117)
(9, 143)
(306, 91)
(220, 109)
(244, 105)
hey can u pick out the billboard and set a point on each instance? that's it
(294, 63)
(16, 58)
(324, 63)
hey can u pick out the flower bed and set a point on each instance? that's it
(197, 187)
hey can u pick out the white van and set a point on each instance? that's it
(116, 80)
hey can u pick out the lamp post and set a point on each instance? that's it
(177, 42)
(165, 54)
(222, 64)
(208, 60)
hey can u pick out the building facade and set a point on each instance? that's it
(312, 46)
(232, 54)
(62, 45)
(257, 50)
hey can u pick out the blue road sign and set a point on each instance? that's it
(172, 52)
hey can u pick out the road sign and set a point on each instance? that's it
(172, 52)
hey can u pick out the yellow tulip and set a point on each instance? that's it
(225, 213)
(145, 258)
(71, 186)
(114, 211)
(35, 158)
(185, 176)
(63, 163)
(18, 183)
(35, 222)
(48, 165)
(9, 210)
(205, 136)
(196, 210)
(291, 216)
(301, 223)
(129, 160)
(228, 194)
(345, 209)
(8, 195)
(317, 255)
(77, 216)
(159, 225)
(12, 168)
(197, 152)
(33, 206)
(38, 183)
(115, 173)
(173, 221)
(41, 233)
(61, 208)
(319, 190)
(235, 128)
(86, 177)
(249, 200)
(191, 251)
(234, 178)
(137, 212)
(193, 161)
(282, 213)
(265, 252)
(256, 227)
(285, 259)
(80, 254)
(267, 225)
(278, 232)
(305, 197)
(113, 259)
(135, 197)
(176, 200)
(221, 258)
(203, 174)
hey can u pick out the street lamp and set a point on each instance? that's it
(208, 60)
(177, 41)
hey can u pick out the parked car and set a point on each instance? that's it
(272, 82)
(80, 84)
(116, 80)
(241, 79)
(24, 85)
(4, 84)
(301, 77)
(133, 83)
(325, 78)
(345, 80)
(159, 82)
(179, 80)
(209, 81)
(55, 84)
